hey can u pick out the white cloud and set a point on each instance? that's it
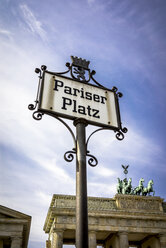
(101, 189)
(136, 146)
(103, 171)
(6, 33)
(91, 2)
(34, 25)
(29, 187)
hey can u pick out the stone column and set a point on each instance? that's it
(92, 239)
(48, 243)
(57, 239)
(157, 243)
(123, 240)
(1, 243)
(162, 238)
(16, 242)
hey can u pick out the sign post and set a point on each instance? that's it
(76, 99)
(81, 185)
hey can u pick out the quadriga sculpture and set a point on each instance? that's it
(138, 190)
(124, 187)
(148, 189)
(119, 186)
(127, 187)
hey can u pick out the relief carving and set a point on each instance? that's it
(138, 203)
(100, 204)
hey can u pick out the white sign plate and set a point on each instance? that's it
(72, 99)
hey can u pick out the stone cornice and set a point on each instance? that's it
(13, 213)
(13, 221)
(121, 206)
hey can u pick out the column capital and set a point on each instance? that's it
(16, 242)
(122, 233)
(162, 237)
(161, 234)
(16, 237)
(57, 238)
(92, 231)
(55, 230)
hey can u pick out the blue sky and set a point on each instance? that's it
(125, 42)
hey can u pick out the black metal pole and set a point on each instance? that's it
(81, 186)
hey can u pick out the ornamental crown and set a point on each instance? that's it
(80, 62)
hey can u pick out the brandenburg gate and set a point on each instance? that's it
(120, 222)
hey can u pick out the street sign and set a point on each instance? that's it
(69, 98)
(76, 99)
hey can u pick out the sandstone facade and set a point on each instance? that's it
(119, 222)
(14, 228)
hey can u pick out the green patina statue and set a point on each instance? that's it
(138, 190)
(125, 187)
(148, 189)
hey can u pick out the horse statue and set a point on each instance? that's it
(127, 188)
(138, 190)
(148, 189)
(119, 186)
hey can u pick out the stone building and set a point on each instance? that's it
(120, 222)
(14, 228)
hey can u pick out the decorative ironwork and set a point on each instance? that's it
(97, 130)
(104, 128)
(119, 135)
(69, 129)
(115, 89)
(34, 106)
(79, 70)
(92, 161)
(68, 156)
(79, 67)
(37, 115)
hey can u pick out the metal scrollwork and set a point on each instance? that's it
(34, 106)
(97, 83)
(68, 156)
(43, 67)
(115, 89)
(124, 130)
(37, 115)
(119, 94)
(65, 72)
(92, 161)
(119, 135)
(79, 70)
